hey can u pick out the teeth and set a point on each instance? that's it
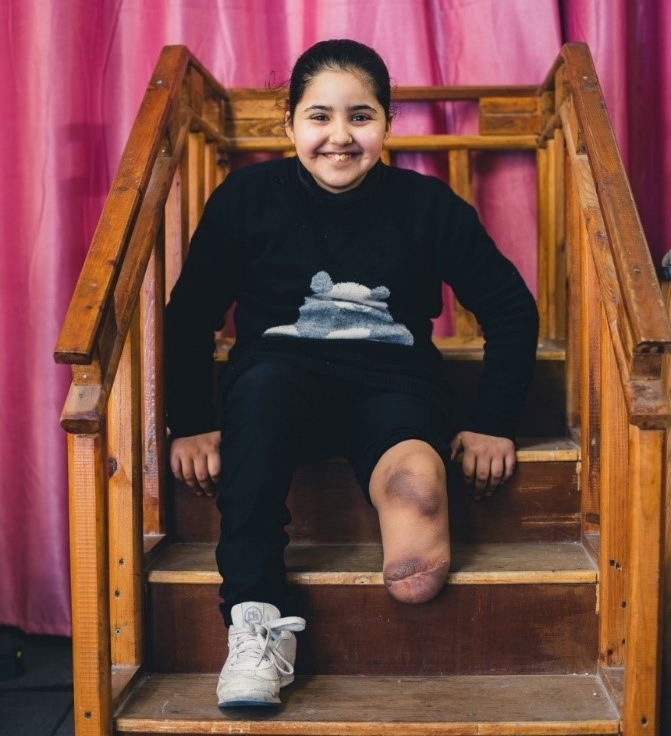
(339, 156)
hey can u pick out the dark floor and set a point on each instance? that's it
(35, 685)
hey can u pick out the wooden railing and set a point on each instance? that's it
(617, 332)
(187, 133)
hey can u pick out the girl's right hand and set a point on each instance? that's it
(196, 461)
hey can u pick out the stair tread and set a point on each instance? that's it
(348, 564)
(402, 706)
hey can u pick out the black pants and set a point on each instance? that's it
(276, 417)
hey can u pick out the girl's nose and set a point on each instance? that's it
(340, 133)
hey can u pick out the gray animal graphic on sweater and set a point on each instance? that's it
(345, 311)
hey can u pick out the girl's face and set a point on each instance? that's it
(338, 130)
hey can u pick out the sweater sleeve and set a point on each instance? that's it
(198, 302)
(489, 285)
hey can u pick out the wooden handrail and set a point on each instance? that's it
(638, 286)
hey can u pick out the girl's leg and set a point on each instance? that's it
(408, 490)
(267, 420)
(400, 443)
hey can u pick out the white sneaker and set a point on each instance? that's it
(261, 655)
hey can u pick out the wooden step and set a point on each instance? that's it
(540, 503)
(574, 705)
(519, 608)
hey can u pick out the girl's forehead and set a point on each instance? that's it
(337, 82)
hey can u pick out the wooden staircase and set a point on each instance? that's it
(550, 622)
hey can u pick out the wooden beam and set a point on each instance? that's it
(125, 506)
(91, 659)
(644, 598)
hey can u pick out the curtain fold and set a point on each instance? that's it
(72, 75)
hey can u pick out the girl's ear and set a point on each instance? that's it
(387, 130)
(288, 127)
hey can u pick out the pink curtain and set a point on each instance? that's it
(72, 75)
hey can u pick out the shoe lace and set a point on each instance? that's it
(261, 640)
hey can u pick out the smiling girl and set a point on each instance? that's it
(336, 263)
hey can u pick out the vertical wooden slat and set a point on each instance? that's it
(545, 235)
(572, 219)
(210, 179)
(196, 190)
(125, 505)
(154, 441)
(91, 661)
(666, 647)
(613, 558)
(644, 601)
(558, 316)
(590, 384)
(459, 163)
(176, 232)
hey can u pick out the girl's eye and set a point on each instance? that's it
(319, 117)
(360, 118)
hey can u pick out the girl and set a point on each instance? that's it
(336, 262)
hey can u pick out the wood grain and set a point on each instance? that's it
(382, 706)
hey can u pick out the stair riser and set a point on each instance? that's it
(540, 503)
(352, 630)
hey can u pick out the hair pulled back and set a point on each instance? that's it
(340, 54)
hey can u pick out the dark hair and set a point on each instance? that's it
(340, 54)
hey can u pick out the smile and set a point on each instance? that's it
(339, 156)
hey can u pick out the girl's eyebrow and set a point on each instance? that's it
(352, 108)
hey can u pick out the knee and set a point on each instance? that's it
(418, 486)
(416, 579)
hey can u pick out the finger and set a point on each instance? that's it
(496, 473)
(468, 467)
(510, 461)
(203, 480)
(455, 447)
(189, 476)
(176, 466)
(482, 473)
(213, 470)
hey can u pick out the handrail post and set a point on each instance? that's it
(87, 461)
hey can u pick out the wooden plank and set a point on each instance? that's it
(509, 116)
(195, 158)
(644, 596)
(435, 93)
(91, 662)
(124, 679)
(545, 233)
(614, 550)
(468, 629)
(399, 143)
(549, 563)
(464, 323)
(125, 506)
(666, 647)
(176, 232)
(154, 441)
(590, 385)
(572, 218)
(557, 306)
(540, 503)
(382, 706)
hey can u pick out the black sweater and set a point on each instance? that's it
(344, 284)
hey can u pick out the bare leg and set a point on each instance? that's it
(408, 490)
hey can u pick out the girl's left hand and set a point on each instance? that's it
(487, 462)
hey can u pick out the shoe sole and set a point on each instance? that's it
(249, 703)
